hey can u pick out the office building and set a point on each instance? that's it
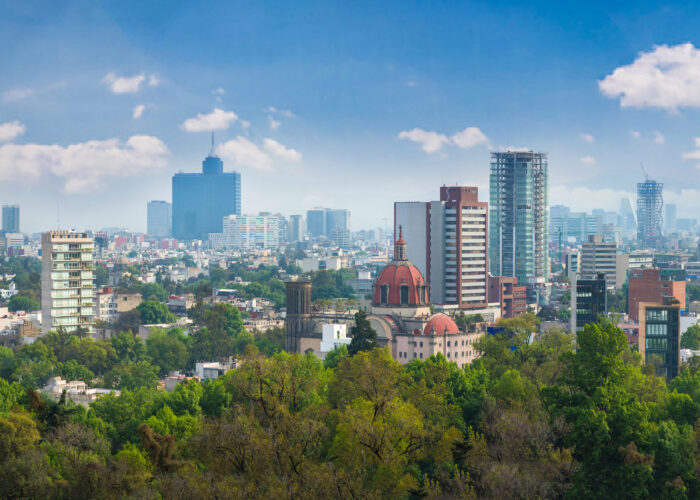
(67, 281)
(330, 223)
(505, 291)
(14, 241)
(448, 241)
(248, 232)
(573, 264)
(337, 219)
(660, 336)
(201, 201)
(650, 204)
(316, 222)
(10, 219)
(565, 225)
(159, 219)
(518, 234)
(588, 301)
(598, 256)
(627, 219)
(296, 228)
(670, 219)
(647, 285)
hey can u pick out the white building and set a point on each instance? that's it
(333, 335)
(67, 281)
(247, 232)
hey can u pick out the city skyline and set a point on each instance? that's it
(99, 107)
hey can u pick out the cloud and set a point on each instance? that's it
(659, 137)
(274, 124)
(84, 166)
(123, 84)
(587, 160)
(216, 120)
(635, 134)
(11, 130)
(587, 138)
(138, 111)
(282, 112)
(281, 151)
(17, 94)
(693, 155)
(244, 152)
(431, 142)
(667, 77)
(153, 81)
(469, 137)
(219, 91)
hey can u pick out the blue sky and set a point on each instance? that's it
(313, 98)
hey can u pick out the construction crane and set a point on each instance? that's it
(646, 175)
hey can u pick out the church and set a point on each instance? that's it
(400, 314)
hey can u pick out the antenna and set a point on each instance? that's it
(211, 153)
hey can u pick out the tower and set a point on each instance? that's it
(298, 318)
(650, 203)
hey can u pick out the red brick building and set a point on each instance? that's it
(505, 291)
(646, 285)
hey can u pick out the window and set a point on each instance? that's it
(421, 343)
(404, 295)
(384, 294)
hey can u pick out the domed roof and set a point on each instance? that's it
(400, 283)
(440, 323)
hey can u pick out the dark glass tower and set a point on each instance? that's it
(201, 201)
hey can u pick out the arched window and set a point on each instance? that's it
(404, 295)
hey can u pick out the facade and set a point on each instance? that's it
(518, 233)
(316, 222)
(160, 217)
(597, 257)
(330, 223)
(646, 285)
(660, 336)
(296, 228)
(14, 240)
(449, 243)
(110, 303)
(573, 264)
(201, 201)
(588, 301)
(505, 291)
(10, 219)
(67, 281)
(650, 204)
(247, 232)
(565, 224)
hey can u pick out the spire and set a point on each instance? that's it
(211, 153)
(400, 247)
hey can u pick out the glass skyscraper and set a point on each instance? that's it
(518, 224)
(10, 218)
(201, 201)
(160, 218)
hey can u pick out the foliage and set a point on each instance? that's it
(690, 339)
(155, 313)
(22, 303)
(364, 338)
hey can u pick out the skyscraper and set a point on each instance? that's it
(670, 219)
(650, 203)
(331, 223)
(10, 218)
(627, 218)
(251, 231)
(159, 219)
(448, 242)
(201, 201)
(518, 232)
(67, 281)
(296, 228)
(316, 222)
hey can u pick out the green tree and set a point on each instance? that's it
(691, 338)
(132, 376)
(167, 349)
(154, 292)
(22, 303)
(364, 337)
(334, 356)
(155, 313)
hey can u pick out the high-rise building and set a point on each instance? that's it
(296, 228)
(660, 336)
(338, 219)
(627, 220)
(650, 203)
(10, 218)
(316, 222)
(159, 219)
(247, 232)
(67, 281)
(447, 240)
(670, 218)
(588, 301)
(647, 285)
(201, 201)
(518, 234)
(598, 256)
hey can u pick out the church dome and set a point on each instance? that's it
(440, 324)
(400, 283)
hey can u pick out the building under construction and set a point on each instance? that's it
(650, 204)
(518, 229)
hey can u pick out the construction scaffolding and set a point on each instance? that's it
(650, 203)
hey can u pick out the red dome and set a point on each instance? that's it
(439, 324)
(400, 284)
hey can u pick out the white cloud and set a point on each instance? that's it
(667, 77)
(138, 111)
(659, 137)
(219, 91)
(431, 142)
(635, 134)
(693, 155)
(153, 81)
(274, 124)
(469, 137)
(123, 84)
(10, 130)
(17, 94)
(245, 124)
(216, 120)
(281, 151)
(84, 166)
(244, 152)
(587, 160)
(587, 138)
(282, 112)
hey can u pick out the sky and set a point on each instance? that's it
(342, 104)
